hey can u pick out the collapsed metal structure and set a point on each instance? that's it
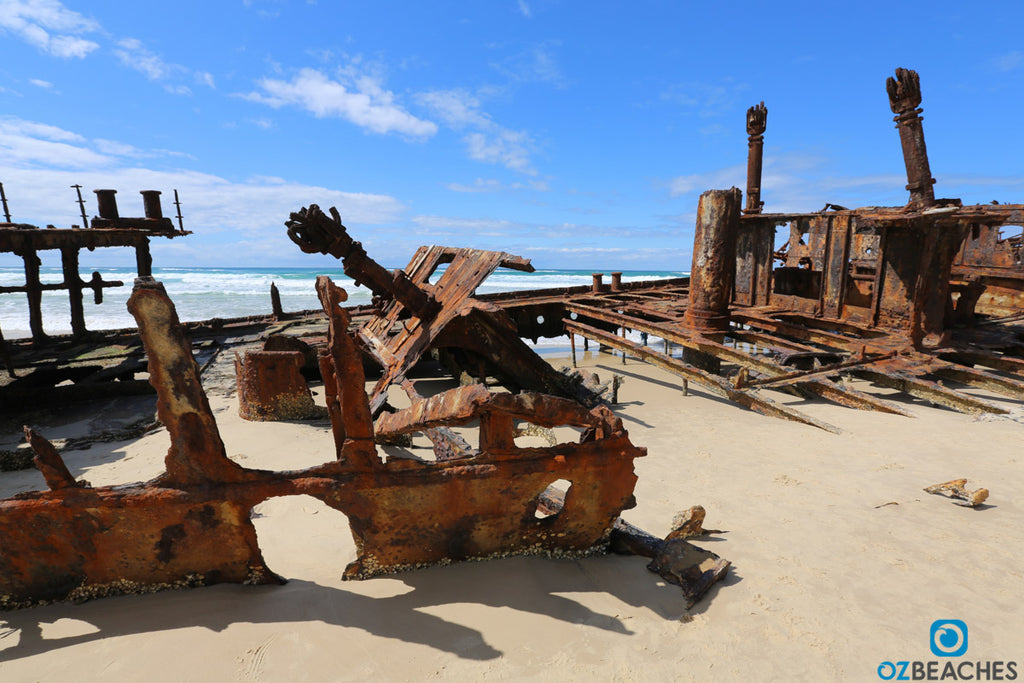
(908, 297)
(191, 525)
(108, 229)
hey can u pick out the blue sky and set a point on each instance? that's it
(578, 134)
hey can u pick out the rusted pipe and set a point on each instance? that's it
(714, 260)
(596, 287)
(757, 120)
(904, 99)
(616, 282)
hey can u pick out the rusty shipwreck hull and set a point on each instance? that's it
(191, 525)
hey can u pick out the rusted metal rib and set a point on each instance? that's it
(718, 385)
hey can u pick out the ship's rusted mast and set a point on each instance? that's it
(757, 120)
(905, 100)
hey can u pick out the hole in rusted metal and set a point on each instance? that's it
(547, 506)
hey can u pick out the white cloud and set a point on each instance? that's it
(27, 143)
(534, 65)
(205, 78)
(524, 9)
(49, 26)
(458, 108)
(507, 147)
(488, 142)
(178, 89)
(133, 54)
(479, 185)
(39, 83)
(360, 100)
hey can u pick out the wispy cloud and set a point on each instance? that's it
(360, 100)
(485, 140)
(536, 64)
(706, 99)
(490, 185)
(1010, 61)
(524, 9)
(49, 26)
(39, 83)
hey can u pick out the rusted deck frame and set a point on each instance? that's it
(717, 384)
(105, 230)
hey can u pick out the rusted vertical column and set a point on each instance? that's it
(714, 260)
(151, 203)
(34, 291)
(596, 285)
(904, 98)
(275, 302)
(757, 120)
(106, 203)
(69, 264)
(143, 259)
(617, 282)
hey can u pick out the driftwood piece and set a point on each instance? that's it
(956, 489)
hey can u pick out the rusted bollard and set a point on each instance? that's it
(596, 287)
(106, 203)
(151, 203)
(616, 282)
(270, 386)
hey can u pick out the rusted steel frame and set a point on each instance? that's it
(814, 381)
(797, 331)
(197, 453)
(464, 404)
(988, 359)
(314, 232)
(981, 379)
(349, 381)
(717, 385)
(831, 369)
(927, 390)
(769, 341)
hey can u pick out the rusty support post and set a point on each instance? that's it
(34, 292)
(69, 264)
(714, 260)
(151, 203)
(106, 203)
(616, 282)
(143, 259)
(597, 286)
(572, 347)
(904, 99)
(757, 120)
(275, 302)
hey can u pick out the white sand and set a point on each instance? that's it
(827, 580)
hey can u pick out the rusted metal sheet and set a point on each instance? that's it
(190, 525)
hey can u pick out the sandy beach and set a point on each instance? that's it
(840, 561)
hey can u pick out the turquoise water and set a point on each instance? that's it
(204, 293)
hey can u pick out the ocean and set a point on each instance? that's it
(204, 293)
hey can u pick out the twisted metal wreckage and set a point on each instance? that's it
(906, 297)
(191, 525)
